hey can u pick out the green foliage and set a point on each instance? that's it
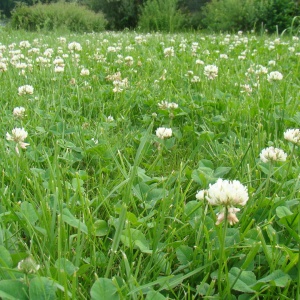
(229, 15)
(161, 15)
(278, 15)
(233, 15)
(54, 16)
(119, 13)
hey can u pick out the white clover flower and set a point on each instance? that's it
(3, 67)
(58, 61)
(110, 119)
(163, 132)
(211, 71)
(18, 136)
(227, 193)
(128, 60)
(84, 72)
(199, 62)
(272, 63)
(224, 56)
(24, 44)
(59, 69)
(169, 51)
(25, 89)
(28, 265)
(274, 76)
(201, 194)
(272, 154)
(231, 216)
(195, 79)
(167, 105)
(62, 40)
(246, 88)
(292, 135)
(19, 112)
(74, 46)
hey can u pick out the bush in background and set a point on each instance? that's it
(234, 15)
(229, 15)
(278, 15)
(119, 13)
(61, 15)
(161, 15)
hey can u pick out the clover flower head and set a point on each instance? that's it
(19, 112)
(201, 194)
(292, 135)
(231, 216)
(84, 72)
(274, 76)
(169, 51)
(227, 193)
(211, 71)
(18, 135)
(163, 132)
(74, 46)
(28, 265)
(272, 154)
(25, 90)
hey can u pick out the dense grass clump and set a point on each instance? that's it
(57, 16)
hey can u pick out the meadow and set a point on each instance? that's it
(149, 166)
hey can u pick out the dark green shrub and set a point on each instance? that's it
(119, 13)
(161, 15)
(278, 15)
(233, 15)
(61, 15)
(229, 15)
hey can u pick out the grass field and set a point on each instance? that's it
(149, 166)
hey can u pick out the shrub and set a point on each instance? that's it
(119, 13)
(278, 15)
(161, 15)
(229, 15)
(233, 15)
(61, 15)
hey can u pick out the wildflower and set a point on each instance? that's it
(3, 67)
(59, 69)
(292, 135)
(272, 154)
(167, 105)
(19, 112)
(227, 193)
(195, 79)
(199, 62)
(272, 63)
(201, 194)
(18, 136)
(224, 56)
(74, 46)
(275, 76)
(128, 60)
(25, 89)
(110, 119)
(24, 44)
(231, 216)
(163, 132)
(84, 72)
(169, 52)
(28, 265)
(211, 71)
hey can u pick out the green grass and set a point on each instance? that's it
(108, 210)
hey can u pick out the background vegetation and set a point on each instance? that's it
(214, 15)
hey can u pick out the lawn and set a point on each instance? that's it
(149, 166)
